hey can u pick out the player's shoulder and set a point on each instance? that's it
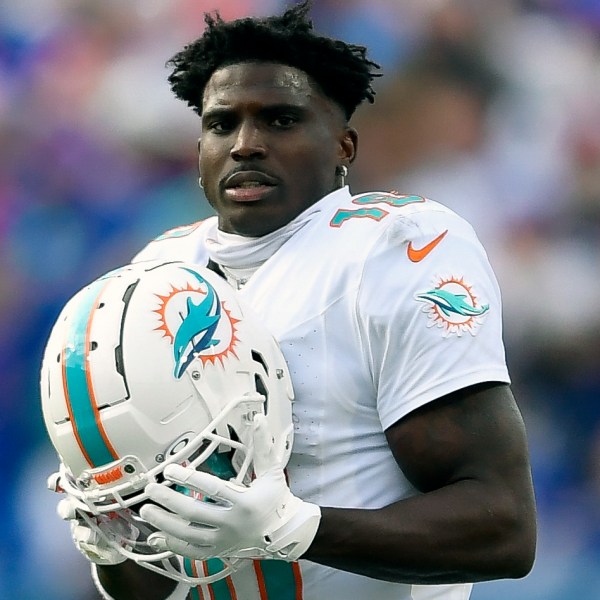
(397, 216)
(178, 243)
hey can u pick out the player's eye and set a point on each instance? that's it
(219, 125)
(284, 121)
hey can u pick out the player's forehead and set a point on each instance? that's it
(259, 81)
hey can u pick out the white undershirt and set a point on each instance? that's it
(239, 256)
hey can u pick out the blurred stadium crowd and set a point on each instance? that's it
(492, 108)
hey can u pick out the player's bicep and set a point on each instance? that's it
(475, 433)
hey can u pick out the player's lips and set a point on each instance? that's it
(248, 186)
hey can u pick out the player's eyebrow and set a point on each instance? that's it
(216, 112)
(284, 107)
(279, 107)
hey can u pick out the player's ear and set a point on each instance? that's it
(348, 145)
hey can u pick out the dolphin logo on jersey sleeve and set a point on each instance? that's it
(452, 303)
(453, 306)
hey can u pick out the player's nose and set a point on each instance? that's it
(249, 142)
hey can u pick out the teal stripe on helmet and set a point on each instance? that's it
(219, 590)
(279, 578)
(79, 395)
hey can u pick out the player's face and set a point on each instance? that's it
(270, 145)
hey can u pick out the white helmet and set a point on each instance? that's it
(157, 363)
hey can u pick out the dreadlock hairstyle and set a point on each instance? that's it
(342, 70)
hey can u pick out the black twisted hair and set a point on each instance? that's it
(342, 70)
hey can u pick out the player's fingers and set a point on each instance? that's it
(84, 535)
(203, 483)
(163, 543)
(197, 533)
(187, 507)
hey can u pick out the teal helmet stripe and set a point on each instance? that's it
(219, 590)
(79, 392)
(276, 579)
(281, 579)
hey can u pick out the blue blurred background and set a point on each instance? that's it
(492, 108)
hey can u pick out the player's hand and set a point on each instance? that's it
(263, 520)
(95, 546)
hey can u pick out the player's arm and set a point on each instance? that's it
(475, 518)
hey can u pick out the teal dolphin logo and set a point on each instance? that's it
(197, 328)
(452, 306)
(450, 303)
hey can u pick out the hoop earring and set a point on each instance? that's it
(342, 172)
(200, 183)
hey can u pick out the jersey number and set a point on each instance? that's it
(369, 208)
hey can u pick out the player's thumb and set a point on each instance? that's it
(264, 455)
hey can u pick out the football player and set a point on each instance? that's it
(408, 440)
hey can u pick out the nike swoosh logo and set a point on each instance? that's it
(418, 254)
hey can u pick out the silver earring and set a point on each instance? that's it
(342, 173)
(200, 182)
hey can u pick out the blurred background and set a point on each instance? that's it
(491, 107)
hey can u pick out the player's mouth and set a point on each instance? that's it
(248, 186)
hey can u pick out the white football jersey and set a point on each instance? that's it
(381, 303)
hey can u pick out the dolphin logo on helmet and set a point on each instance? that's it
(201, 320)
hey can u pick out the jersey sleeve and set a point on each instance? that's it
(430, 313)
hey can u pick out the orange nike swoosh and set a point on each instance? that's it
(418, 254)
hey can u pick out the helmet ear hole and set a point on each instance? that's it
(258, 357)
(259, 383)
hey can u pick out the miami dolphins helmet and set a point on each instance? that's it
(152, 364)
